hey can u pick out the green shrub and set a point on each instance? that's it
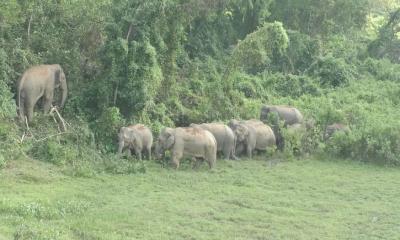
(107, 127)
(7, 104)
(115, 165)
(332, 72)
(382, 69)
(250, 86)
(378, 144)
(300, 54)
(288, 85)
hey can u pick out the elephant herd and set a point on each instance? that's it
(203, 141)
(199, 141)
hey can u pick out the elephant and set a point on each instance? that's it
(223, 135)
(39, 82)
(333, 128)
(289, 115)
(135, 137)
(187, 141)
(252, 135)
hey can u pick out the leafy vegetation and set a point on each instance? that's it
(169, 62)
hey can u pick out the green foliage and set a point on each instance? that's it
(321, 17)
(302, 51)
(144, 74)
(332, 72)
(7, 105)
(249, 85)
(387, 43)
(115, 165)
(291, 85)
(9, 137)
(382, 69)
(107, 128)
(171, 63)
(258, 49)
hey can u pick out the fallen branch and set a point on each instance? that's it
(62, 120)
(54, 135)
(22, 138)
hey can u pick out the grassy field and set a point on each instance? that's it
(307, 199)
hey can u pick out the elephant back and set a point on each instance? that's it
(144, 132)
(265, 137)
(336, 127)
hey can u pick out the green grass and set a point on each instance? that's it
(307, 199)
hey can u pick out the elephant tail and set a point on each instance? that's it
(19, 87)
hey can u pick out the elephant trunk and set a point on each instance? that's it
(159, 151)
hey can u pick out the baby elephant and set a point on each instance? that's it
(188, 141)
(135, 137)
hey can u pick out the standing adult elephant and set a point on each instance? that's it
(252, 135)
(289, 115)
(40, 82)
(135, 137)
(223, 135)
(190, 141)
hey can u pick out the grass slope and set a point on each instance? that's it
(238, 200)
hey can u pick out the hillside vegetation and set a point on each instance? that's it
(176, 62)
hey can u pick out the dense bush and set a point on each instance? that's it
(288, 85)
(382, 69)
(107, 128)
(332, 72)
(171, 63)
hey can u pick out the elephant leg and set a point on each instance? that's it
(22, 109)
(29, 110)
(210, 164)
(175, 159)
(138, 153)
(239, 148)
(249, 152)
(233, 155)
(149, 153)
(227, 152)
(47, 102)
(128, 152)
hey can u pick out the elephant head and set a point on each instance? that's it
(61, 81)
(127, 138)
(268, 114)
(264, 112)
(241, 132)
(165, 141)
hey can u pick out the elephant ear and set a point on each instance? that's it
(121, 133)
(57, 77)
(170, 140)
